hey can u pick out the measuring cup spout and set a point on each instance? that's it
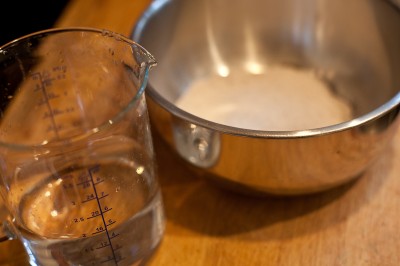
(144, 61)
(151, 61)
(144, 58)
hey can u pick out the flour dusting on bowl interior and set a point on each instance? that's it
(282, 98)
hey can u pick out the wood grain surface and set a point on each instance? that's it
(356, 224)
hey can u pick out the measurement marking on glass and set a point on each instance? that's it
(105, 229)
(93, 216)
(114, 235)
(112, 222)
(98, 232)
(88, 199)
(106, 195)
(84, 182)
(109, 259)
(107, 210)
(43, 83)
(100, 181)
(103, 245)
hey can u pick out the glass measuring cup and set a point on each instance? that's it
(78, 173)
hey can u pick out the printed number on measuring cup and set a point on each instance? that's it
(77, 220)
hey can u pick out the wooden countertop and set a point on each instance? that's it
(357, 224)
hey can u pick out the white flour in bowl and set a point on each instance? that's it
(280, 99)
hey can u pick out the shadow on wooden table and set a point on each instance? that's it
(12, 253)
(200, 206)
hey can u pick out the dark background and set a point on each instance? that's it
(18, 18)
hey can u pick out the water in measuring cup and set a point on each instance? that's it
(101, 212)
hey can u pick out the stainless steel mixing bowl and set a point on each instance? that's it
(353, 45)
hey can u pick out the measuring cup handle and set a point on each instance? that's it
(3, 234)
(4, 230)
(3, 237)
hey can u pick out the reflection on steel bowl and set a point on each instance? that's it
(319, 78)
